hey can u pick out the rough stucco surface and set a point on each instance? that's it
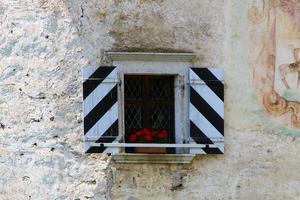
(45, 43)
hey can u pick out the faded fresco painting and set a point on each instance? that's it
(275, 57)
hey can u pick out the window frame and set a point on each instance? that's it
(146, 102)
(181, 101)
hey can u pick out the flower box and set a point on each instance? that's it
(151, 150)
(149, 136)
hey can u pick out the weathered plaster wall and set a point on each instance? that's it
(45, 43)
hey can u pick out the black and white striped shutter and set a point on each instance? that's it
(100, 99)
(206, 110)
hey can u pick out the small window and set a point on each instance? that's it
(149, 107)
(123, 101)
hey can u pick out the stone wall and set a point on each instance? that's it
(45, 43)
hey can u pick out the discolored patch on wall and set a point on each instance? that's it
(141, 30)
(101, 15)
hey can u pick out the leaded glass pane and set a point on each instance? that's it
(133, 116)
(160, 88)
(133, 88)
(160, 117)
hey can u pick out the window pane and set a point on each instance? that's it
(133, 116)
(133, 88)
(160, 88)
(160, 117)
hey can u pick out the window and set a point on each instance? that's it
(149, 104)
(156, 91)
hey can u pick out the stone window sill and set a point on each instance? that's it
(153, 158)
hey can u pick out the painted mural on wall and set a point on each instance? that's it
(275, 57)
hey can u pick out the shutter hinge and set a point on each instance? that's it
(201, 82)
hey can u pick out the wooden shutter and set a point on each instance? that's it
(100, 109)
(206, 110)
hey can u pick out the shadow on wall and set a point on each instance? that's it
(137, 26)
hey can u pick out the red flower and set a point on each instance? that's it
(153, 133)
(133, 138)
(139, 133)
(146, 131)
(164, 132)
(161, 135)
(148, 135)
(148, 138)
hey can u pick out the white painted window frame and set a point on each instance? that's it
(176, 64)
